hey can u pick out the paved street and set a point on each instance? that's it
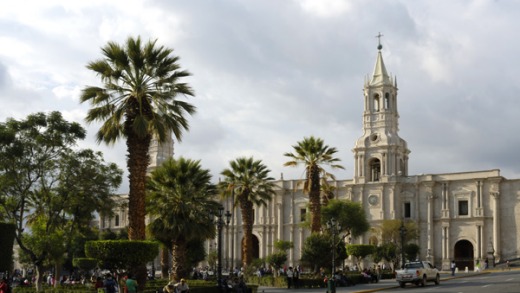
(448, 284)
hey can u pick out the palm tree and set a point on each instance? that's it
(138, 101)
(312, 153)
(181, 204)
(249, 181)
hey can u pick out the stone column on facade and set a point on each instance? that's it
(300, 245)
(496, 224)
(429, 232)
(384, 170)
(480, 253)
(279, 221)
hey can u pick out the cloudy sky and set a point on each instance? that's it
(268, 73)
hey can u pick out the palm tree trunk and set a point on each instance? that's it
(246, 208)
(165, 259)
(179, 268)
(314, 199)
(138, 159)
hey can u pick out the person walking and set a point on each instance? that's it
(290, 276)
(453, 266)
(131, 284)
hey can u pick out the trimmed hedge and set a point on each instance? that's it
(122, 254)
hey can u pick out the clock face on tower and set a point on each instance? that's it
(373, 199)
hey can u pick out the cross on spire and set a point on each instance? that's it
(379, 46)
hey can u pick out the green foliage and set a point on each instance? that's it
(85, 263)
(212, 259)
(350, 216)
(411, 250)
(181, 203)
(385, 251)
(122, 254)
(196, 252)
(390, 231)
(282, 245)
(316, 252)
(49, 188)
(277, 259)
(248, 182)
(360, 251)
(7, 230)
(312, 153)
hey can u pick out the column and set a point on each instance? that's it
(430, 224)
(280, 222)
(496, 223)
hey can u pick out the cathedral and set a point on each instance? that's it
(465, 216)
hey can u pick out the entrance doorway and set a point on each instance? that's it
(464, 255)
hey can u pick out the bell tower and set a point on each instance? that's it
(380, 154)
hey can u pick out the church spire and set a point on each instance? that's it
(380, 76)
(380, 154)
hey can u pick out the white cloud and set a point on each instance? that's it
(267, 73)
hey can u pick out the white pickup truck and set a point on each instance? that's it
(417, 272)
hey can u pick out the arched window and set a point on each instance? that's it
(375, 170)
(387, 101)
(376, 103)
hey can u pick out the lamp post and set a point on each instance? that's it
(220, 224)
(402, 232)
(334, 229)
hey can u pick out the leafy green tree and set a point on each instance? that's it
(350, 217)
(213, 259)
(248, 180)
(360, 251)
(391, 233)
(313, 154)
(181, 192)
(121, 255)
(138, 101)
(316, 252)
(278, 258)
(48, 186)
(385, 251)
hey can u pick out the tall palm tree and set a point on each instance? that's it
(138, 101)
(249, 181)
(312, 153)
(182, 207)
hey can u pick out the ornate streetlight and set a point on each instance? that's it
(402, 232)
(220, 224)
(334, 229)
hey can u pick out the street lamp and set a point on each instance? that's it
(402, 232)
(334, 229)
(220, 224)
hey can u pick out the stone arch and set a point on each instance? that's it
(464, 254)
(374, 167)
